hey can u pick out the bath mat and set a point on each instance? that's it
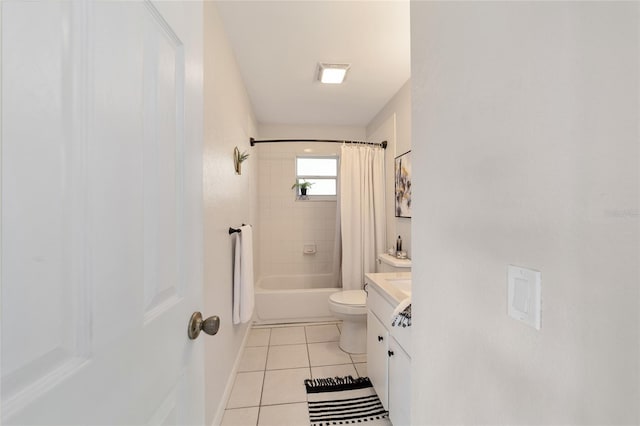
(344, 400)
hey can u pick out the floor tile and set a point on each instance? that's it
(240, 417)
(269, 387)
(322, 333)
(289, 356)
(253, 358)
(284, 386)
(327, 353)
(333, 371)
(284, 415)
(246, 390)
(358, 358)
(259, 337)
(361, 368)
(287, 336)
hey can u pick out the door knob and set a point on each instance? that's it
(196, 325)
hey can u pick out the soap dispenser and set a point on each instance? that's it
(398, 245)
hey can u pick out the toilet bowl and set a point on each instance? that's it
(351, 307)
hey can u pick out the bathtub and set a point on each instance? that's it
(293, 298)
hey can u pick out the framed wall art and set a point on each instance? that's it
(402, 177)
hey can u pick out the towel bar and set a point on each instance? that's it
(234, 230)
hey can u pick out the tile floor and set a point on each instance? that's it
(269, 387)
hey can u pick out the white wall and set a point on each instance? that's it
(285, 223)
(393, 124)
(229, 199)
(525, 117)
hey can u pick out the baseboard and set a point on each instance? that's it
(298, 321)
(217, 419)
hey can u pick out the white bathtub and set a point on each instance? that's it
(294, 298)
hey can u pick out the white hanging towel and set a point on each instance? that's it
(243, 298)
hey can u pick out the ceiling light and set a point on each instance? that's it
(332, 73)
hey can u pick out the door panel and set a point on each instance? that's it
(163, 106)
(42, 311)
(100, 212)
(377, 337)
(399, 385)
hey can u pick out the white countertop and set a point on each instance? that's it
(383, 283)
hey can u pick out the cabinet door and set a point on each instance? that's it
(399, 384)
(377, 337)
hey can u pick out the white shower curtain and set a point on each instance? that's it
(362, 211)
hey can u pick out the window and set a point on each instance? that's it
(322, 172)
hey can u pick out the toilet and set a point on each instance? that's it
(351, 307)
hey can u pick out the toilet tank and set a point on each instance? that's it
(388, 263)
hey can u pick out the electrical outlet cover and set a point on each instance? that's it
(524, 295)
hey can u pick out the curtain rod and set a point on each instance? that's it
(252, 141)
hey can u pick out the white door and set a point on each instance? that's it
(101, 212)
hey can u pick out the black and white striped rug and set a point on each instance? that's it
(343, 401)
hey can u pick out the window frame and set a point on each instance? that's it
(298, 177)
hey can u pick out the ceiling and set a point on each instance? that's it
(278, 45)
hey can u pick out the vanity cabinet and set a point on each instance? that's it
(388, 359)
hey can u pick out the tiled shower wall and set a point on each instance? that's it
(287, 224)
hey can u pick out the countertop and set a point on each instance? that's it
(381, 281)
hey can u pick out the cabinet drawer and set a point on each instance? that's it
(379, 306)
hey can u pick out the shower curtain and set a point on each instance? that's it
(362, 212)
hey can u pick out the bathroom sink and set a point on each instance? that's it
(404, 285)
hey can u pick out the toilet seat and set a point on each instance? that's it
(350, 297)
(350, 302)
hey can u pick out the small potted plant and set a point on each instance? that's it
(302, 186)
(238, 158)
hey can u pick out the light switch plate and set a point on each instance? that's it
(524, 295)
